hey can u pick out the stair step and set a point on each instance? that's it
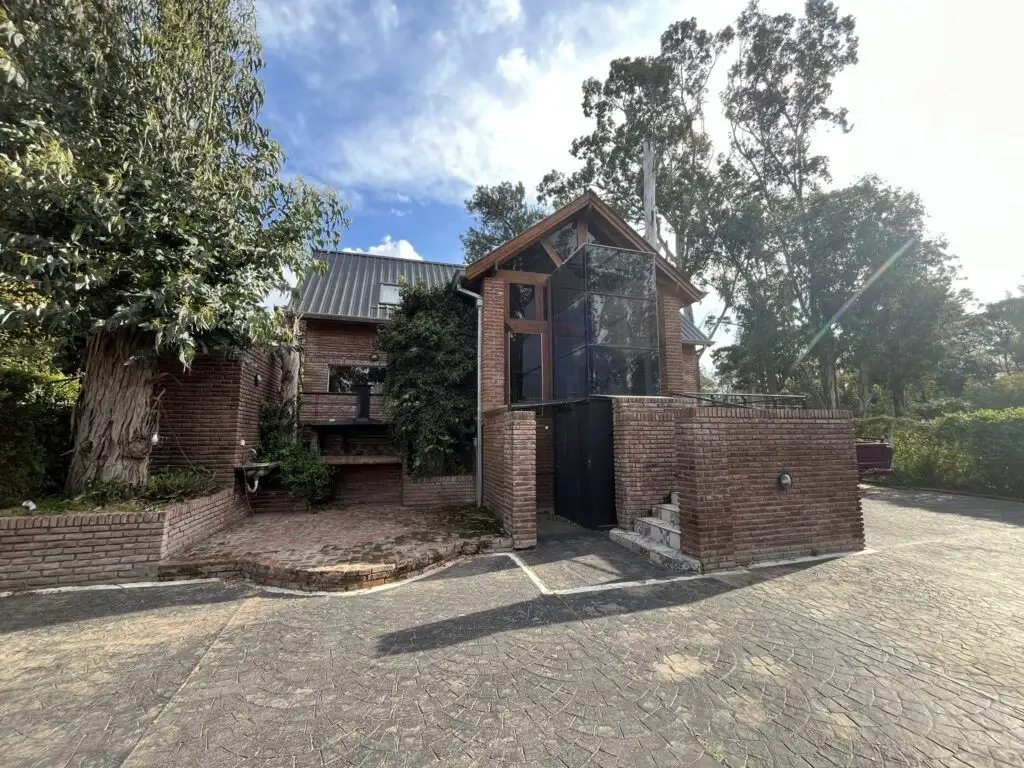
(656, 553)
(657, 530)
(667, 512)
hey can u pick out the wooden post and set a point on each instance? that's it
(650, 211)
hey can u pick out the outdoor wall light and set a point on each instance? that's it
(785, 481)
(259, 379)
(374, 357)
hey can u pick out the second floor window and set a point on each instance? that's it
(343, 379)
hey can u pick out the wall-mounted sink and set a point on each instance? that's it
(254, 470)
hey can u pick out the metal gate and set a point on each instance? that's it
(584, 463)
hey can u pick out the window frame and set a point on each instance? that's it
(376, 387)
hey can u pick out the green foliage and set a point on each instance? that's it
(981, 451)
(430, 389)
(501, 213)
(274, 418)
(139, 189)
(173, 484)
(1006, 391)
(304, 474)
(35, 433)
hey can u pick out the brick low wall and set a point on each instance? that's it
(438, 491)
(725, 464)
(510, 472)
(103, 548)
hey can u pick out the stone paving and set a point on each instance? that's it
(339, 547)
(909, 655)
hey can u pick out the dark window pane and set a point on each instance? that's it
(623, 372)
(571, 375)
(563, 241)
(343, 379)
(524, 364)
(523, 302)
(596, 236)
(621, 273)
(533, 259)
(567, 284)
(570, 328)
(620, 322)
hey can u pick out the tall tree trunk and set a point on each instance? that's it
(114, 418)
(829, 380)
(899, 398)
(291, 364)
(864, 382)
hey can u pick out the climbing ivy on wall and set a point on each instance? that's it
(430, 385)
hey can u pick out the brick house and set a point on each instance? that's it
(588, 383)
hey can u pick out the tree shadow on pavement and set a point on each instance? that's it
(979, 508)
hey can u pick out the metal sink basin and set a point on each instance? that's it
(257, 469)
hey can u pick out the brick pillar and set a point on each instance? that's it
(494, 344)
(510, 472)
(646, 462)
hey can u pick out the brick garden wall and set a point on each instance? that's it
(102, 548)
(725, 464)
(368, 483)
(438, 491)
(510, 472)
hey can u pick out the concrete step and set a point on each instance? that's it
(674, 498)
(656, 553)
(658, 531)
(667, 512)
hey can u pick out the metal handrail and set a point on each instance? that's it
(744, 399)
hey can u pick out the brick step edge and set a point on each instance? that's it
(656, 553)
(315, 579)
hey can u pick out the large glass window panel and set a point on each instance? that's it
(567, 284)
(621, 273)
(570, 328)
(563, 241)
(571, 375)
(623, 372)
(343, 379)
(525, 367)
(621, 322)
(524, 302)
(533, 259)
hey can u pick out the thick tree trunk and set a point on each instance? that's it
(899, 399)
(290, 370)
(829, 380)
(864, 382)
(114, 417)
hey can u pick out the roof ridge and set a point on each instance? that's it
(348, 252)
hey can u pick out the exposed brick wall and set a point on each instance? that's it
(321, 407)
(494, 375)
(725, 464)
(741, 514)
(545, 464)
(193, 521)
(199, 415)
(438, 491)
(368, 483)
(645, 455)
(271, 497)
(101, 548)
(510, 472)
(680, 371)
(328, 342)
(252, 395)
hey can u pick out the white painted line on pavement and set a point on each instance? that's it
(105, 587)
(544, 589)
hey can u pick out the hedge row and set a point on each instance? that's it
(981, 451)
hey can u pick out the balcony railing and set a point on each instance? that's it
(744, 400)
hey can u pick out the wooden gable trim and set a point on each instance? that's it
(550, 251)
(527, 238)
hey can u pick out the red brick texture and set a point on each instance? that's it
(450, 490)
(99, 548)
(510, 472)
(680, 371)
(726, 467)
(368, 483)
(207, 412)
(494, 376)
(326, 343)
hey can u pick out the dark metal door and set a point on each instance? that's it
(584, 463)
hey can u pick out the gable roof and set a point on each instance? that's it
(588, 200)
(350, 289)
(693, 335)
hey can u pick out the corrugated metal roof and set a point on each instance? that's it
(692, 334)
(351, 286)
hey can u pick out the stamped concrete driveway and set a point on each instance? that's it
(912, 654)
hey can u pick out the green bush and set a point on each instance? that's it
(1006, 391)
(180, 484)
(982, 452)
(35, 433)
(303, 473)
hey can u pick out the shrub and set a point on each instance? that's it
(35, 433)
(303, 473)
(981, 452)
(1006, 391)
(180, 484)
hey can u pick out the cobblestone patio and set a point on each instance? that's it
(910, 655)
(338, 548)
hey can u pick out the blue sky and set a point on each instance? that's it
(404, 106)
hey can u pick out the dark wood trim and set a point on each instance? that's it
(527, 238)
(581, 231)
(551, 251)
(527, 326)
(525, 278)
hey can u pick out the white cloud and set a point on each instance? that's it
(401, 249)
(385, 12)
(481, 16)
(283, 23)
(514, 66)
